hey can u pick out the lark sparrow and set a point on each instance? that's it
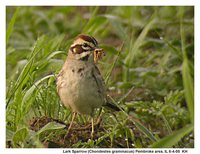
(79, 83)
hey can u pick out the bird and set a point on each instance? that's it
(80, 84)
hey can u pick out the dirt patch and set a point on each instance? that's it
(60, 138)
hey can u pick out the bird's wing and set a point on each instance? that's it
(99, 82)
(59, 80)
(102, 90)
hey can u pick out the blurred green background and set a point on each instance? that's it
(148, 70)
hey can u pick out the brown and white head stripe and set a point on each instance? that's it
(86, 46)
(83, 43)
(89, 39)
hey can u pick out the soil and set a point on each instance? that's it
(77, 134)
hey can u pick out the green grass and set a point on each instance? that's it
(148, 70)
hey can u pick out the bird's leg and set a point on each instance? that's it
(73, 117)
(92, 133)
(99, 115)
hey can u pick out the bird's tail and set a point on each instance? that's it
(111, 105)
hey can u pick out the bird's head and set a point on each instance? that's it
(85, 48)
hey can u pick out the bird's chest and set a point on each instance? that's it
(78, 88)
(78, 77)
(77, 81)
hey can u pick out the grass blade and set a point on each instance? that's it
(188, 81)
(108, 74)
(188, 87)
(144, 130)
(11, 25)
(51, 126)
(19, 136)
(134, 48)
(169, 141)
(26, 70)
(166, 123)
(29, 93)
(140, 127)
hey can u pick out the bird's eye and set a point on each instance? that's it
(85, 45)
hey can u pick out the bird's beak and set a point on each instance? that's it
(98, 54)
